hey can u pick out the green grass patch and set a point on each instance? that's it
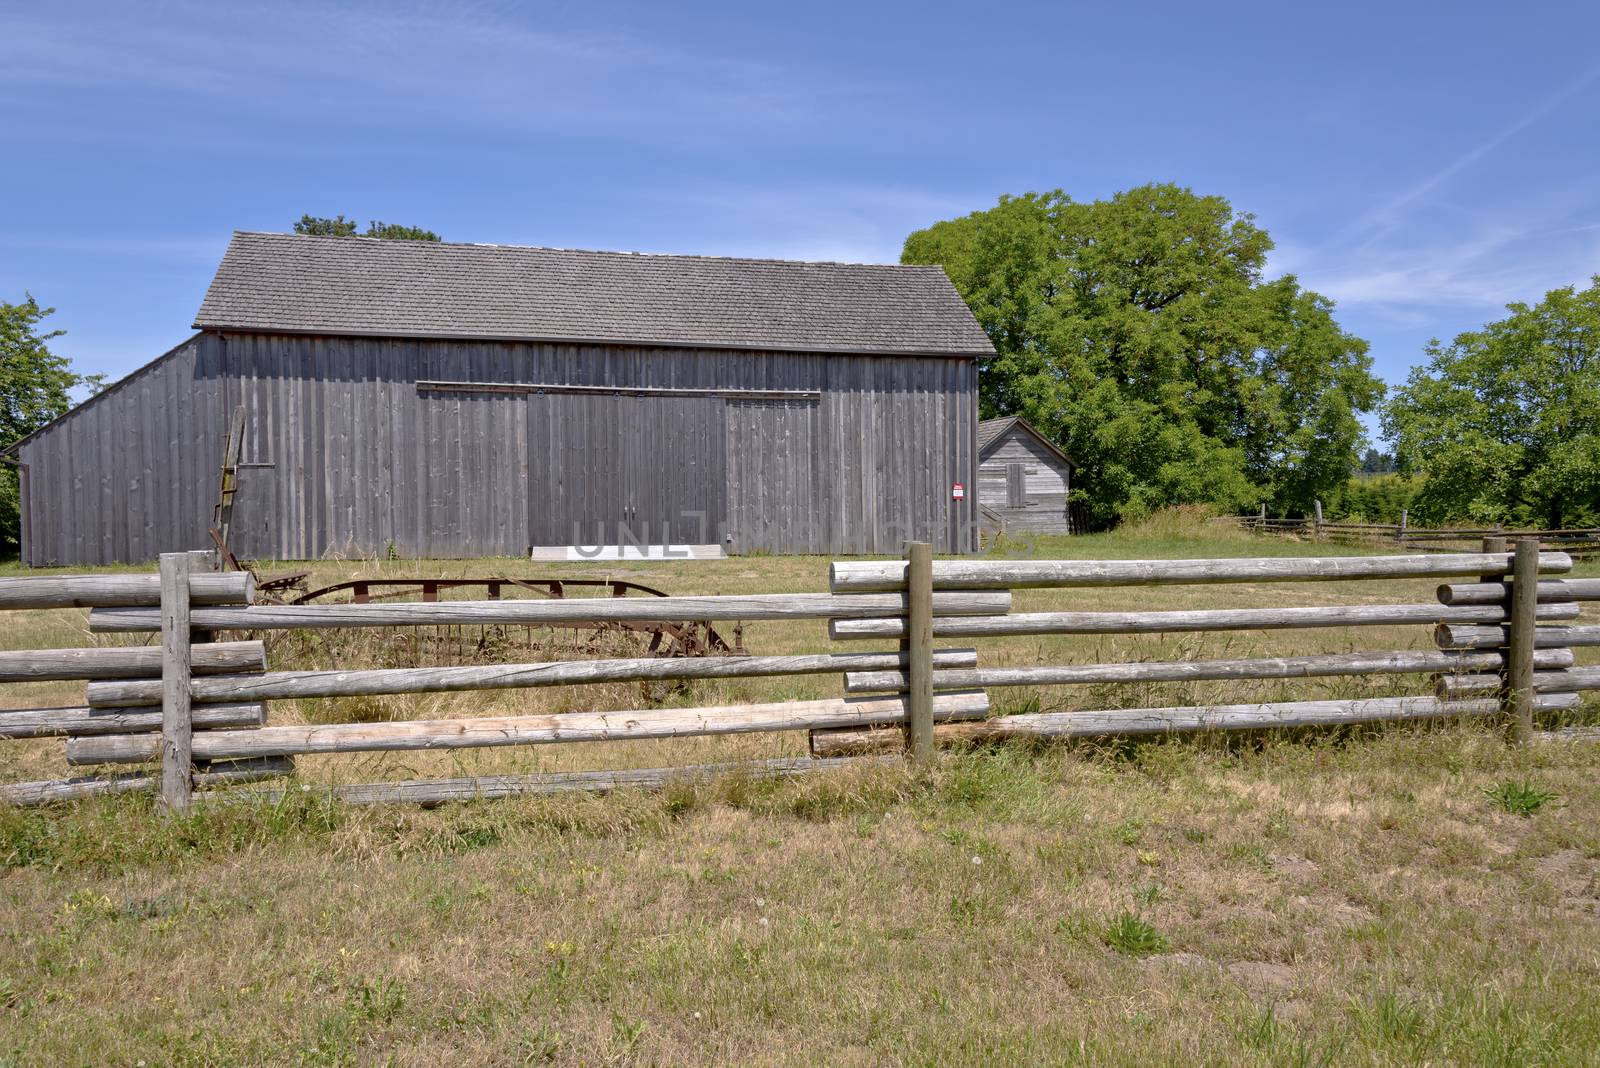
(1132, 934)
(1519, 798)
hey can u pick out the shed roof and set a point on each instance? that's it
(990, 431)
(288, 283)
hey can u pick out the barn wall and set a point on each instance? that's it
(134, 471)
(1046, 481)
(344, 455)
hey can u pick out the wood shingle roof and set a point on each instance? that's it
(287, 283)
(992, 430)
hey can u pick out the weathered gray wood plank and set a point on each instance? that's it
(107, 591)
(1521, 654)
(134, 662)
(177, 721)
(586, 609)
(50, 722)
(918, 673)
(1571, 680)
(862, 576)
(1466, 636)
(1398, 662)
(1185, 621)
(528, 730)
(1176, 720)
(484, 787)
(284, 685)
(31, 794)
(1499, 593)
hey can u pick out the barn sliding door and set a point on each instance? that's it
(605, 469)
(676, 471)
(472, 468)
(776, 478)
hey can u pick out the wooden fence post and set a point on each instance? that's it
(1405, 519)
(1496, 546)
(1519, 651)
(177, 727)
(1318, 504)
(919, 651)
(1492, 544)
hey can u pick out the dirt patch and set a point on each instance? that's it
(1260, 975)
(1576, 878)
(1181, 962)
(1295, 867)
(1333, 912)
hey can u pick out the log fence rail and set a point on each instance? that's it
(1576, 541)
(182, 653)
(1504, 623)
(1512, 664)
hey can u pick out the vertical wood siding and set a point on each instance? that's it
(132, 473)
(343, 455)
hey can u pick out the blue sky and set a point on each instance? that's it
(1421, 164)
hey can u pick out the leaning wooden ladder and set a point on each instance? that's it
(222, 515)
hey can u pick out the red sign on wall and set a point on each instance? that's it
(957, 491)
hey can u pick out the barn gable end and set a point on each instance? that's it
(134, 466)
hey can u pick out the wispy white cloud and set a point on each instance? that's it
(1420, 256)
(1385, 218)
(470, 64)
(839, 221)
(1481, 267)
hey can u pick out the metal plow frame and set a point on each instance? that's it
(667, 637)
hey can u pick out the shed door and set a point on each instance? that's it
(1016, 486)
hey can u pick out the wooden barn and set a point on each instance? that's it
(1023, 478)
(452, 400)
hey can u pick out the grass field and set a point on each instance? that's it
(1400, 896)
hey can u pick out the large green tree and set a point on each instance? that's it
(1503, 424)
(35, 387)
(339, 226)
(1140, 333)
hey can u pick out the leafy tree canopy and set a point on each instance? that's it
(1371, 499)
(317, 226)
(396, 232)
(1374, 462)
(1140, 333)
(339, 226)
(35, 387)
(1503, 424)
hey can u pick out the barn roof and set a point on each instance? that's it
(287, 283)
(991, 431)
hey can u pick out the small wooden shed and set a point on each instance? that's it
(1023, 478)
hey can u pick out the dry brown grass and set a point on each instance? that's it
(1329, 903)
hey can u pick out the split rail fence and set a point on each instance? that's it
(1575, 541)
(1504, 638)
